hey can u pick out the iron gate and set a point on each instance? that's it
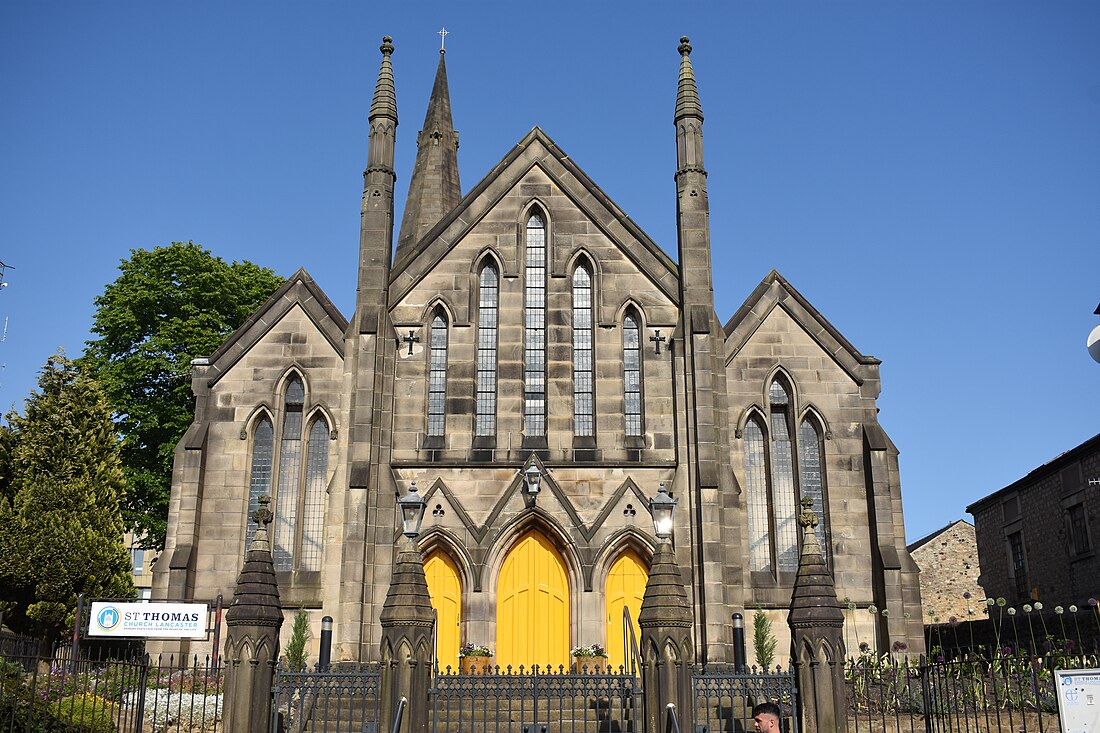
(536, 701)
(724, 697)
(342, 699)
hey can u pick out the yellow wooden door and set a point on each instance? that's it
(625, 587)
(533, 605)
(445, 588)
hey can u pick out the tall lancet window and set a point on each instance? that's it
(632, 375)
(756, 491)
(290, 467)
(811, 477)
(783, 488)
(584, 388)
(313, 505)
(534, 331)
(437, 377)
(259, 482)
(485, 422)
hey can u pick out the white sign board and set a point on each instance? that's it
(145, 620)
(1078, 699)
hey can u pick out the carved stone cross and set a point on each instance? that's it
(411, 339)
(657, 339)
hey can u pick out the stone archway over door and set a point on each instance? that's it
(625, 587)
(445, 588)
(533, 605)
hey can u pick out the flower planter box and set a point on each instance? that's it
(475, 665)
(591, 665)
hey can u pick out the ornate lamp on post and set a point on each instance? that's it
(666, 625)
(407, 620)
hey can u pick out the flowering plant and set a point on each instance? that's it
(474, 650)
(595, 650)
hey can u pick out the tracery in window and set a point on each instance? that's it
(784, 498)
(437, 377)
(632, 376)
(259, 482)
(485, 421)
(534, 314)
(584, 389)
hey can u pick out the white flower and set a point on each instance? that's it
(1058, 610)
(1038, 605)
(1027, 608)
(1073, 609)
(1011, 611)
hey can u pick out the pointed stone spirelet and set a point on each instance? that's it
(687, 94)
(256, 595)
(384, 103)
(814, 599)
(434, 188)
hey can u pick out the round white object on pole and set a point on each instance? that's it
(1094, 344)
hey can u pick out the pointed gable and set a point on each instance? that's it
(775, 292)
(536, 151)
(299, 290)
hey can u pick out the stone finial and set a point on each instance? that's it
(384, 103)
(685, 47)
(807, 519)
(262, 517)
(387, 46)
(687, 93)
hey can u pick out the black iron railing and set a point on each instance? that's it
(341, 699)
(725, 696)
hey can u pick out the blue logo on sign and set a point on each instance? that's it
(107, 618)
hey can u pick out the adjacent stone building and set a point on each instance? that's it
(949, 570)
(538, 366)
(1035, 537)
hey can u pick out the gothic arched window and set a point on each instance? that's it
(437, 377)
(534, 330)
(784, 499)
(259, 482)
(756, 493)
(584, 386)
(485, 421)
(299, 492)
(811, 452)
(632, 376)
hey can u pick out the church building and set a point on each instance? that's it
(538, 367)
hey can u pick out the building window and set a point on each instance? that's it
(1018, 563)
(775, 481)
(784, 500)
(584, 389)
(1078, 530)
(632, 375)
(811, 449)
(437, 377)
(534, 314)
(137, 561)
(299, 460)
(756, 491)
(259, 484)
(485, 423)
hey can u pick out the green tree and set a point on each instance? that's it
(168, 306)
(61, 527)
(763, 639)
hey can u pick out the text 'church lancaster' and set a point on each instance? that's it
(530, 327)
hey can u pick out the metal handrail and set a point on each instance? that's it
(401, 714)
(435, 641)
(672, 726)
(630, 643)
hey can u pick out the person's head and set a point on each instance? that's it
(765, 717)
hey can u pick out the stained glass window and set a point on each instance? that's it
(632, 375)
(437, 377)
(584, 388)
(534, 314)
(485, 422)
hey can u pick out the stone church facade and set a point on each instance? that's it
(529, 326)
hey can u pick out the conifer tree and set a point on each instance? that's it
(60, 519)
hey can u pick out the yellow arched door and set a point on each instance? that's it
(625, 587)
(445, 588)
(533, 605)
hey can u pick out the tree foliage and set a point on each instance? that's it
(168, 306)
(763, 639)
(60, 519)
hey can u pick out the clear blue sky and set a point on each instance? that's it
(926, 173)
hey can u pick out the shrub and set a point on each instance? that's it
(85, 713)
(763, 639)
(296, 647)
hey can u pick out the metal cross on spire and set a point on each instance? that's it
(443, 33)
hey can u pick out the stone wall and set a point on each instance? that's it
(948, 560)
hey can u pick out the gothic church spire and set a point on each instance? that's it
(434, 188)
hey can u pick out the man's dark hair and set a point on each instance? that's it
(767, 708)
